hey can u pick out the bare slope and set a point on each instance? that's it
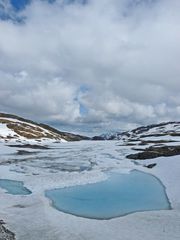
(15, 127)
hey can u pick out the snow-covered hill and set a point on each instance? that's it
(162, 130)
(157, 130)
(22, 130)
(151, 141)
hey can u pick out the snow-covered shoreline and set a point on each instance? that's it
(32, 217)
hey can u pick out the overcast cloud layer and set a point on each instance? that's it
(106, 62)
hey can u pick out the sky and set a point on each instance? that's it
(90, 65)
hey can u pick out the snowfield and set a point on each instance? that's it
(67, 164)
(5, 131)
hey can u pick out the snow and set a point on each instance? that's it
(76, 163)
(5, 131)
(39, 220)
(165, 130)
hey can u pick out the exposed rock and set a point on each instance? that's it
(152, 165)
(143, 142)
(28, 129)
(33, 146)
(24, 152)
(5, 234)
(154, 152)
(171, 129)
(160, 126)
(97, 138)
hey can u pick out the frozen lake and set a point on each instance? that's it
(71, 157)
(14, 187)
(117, 196)
(78, 165)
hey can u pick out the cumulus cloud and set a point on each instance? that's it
(100, 62)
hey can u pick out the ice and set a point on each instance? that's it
(79, 163)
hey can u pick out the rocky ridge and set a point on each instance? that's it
(156, 140)
(13, 127)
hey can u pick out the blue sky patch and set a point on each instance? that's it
(19, 4)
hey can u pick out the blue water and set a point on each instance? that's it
(119, 195)
(14, 187)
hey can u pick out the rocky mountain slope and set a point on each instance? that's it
(155, 130)
(150, 141)
(13, 127)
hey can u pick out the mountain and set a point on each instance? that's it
(109, 136)
(13, 127)
(145, 142)
(141, 133)
(152, 141)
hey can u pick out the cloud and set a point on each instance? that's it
(6, 10)
(124, 53)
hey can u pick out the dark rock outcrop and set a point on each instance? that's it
(152, 165)
(5, 234)
(154, 152)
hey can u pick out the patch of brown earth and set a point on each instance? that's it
(32, 130)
